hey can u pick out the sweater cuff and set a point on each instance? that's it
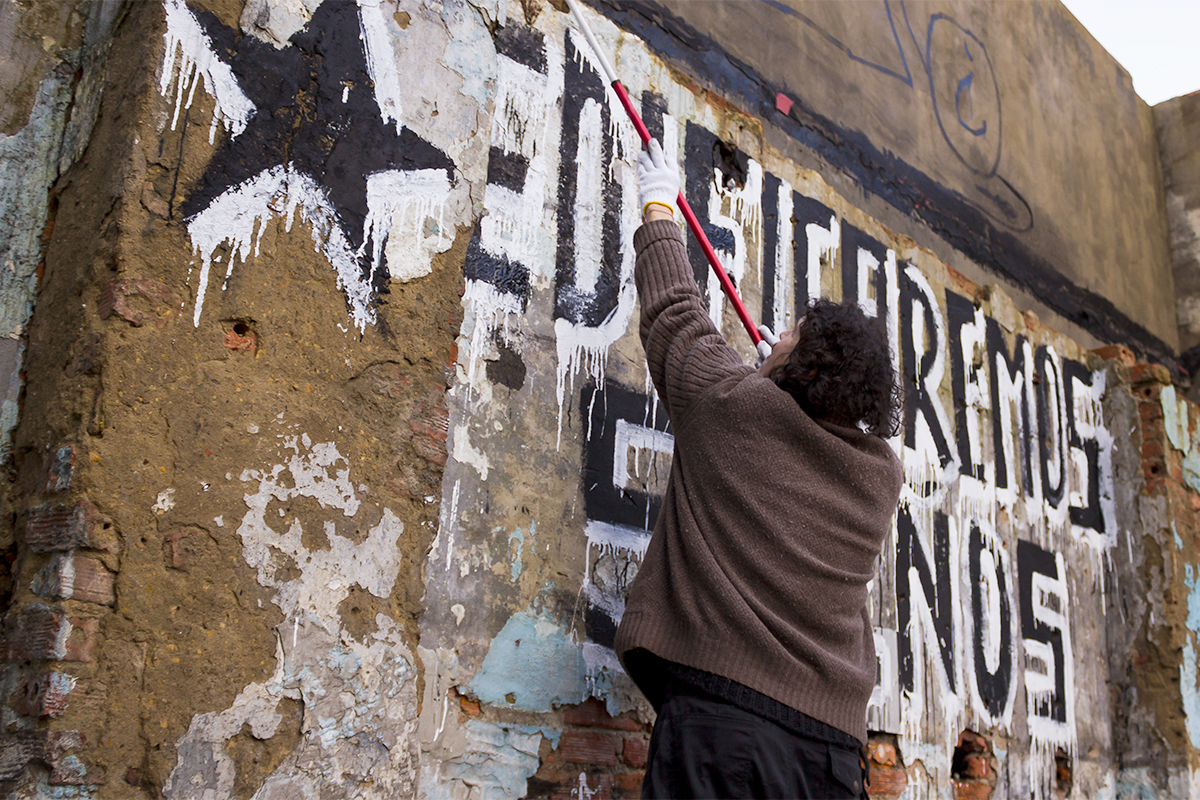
(651, 232)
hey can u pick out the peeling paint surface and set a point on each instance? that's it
(358, 734)
(532, 665)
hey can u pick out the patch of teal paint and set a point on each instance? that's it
(516, 566)
(497, 764)
(1175, 419)
(1175, 532)
(552, 736)
(1188, 686)
(535, 663)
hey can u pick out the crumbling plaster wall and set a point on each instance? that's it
(337, 449)
(50, 86)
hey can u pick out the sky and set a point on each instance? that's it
(1156, 41)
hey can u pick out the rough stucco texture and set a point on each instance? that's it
(336, 452)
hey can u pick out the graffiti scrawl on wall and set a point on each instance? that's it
(352, 170)
(1004, 445)
(558, 448)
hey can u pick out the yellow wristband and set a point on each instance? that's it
(670, 208)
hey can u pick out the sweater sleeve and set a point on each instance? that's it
(685, 352)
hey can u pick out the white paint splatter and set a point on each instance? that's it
(165, 501)
(325, 575)
(237, 218)
(197, 60)
(822, 251)
(400, 203)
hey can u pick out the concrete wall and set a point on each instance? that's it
(337, 450)
(957, 114)
(1178, 122)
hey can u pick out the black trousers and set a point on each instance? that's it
(703, 747)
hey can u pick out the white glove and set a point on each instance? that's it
(658, 178)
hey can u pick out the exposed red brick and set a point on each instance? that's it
(1117, 352)
(66, 771)
(36, 633)
(628, 784)
(634, 752)
(60, 469)
(78, 578)
(593, 714)
(972, 790)
(18, 748)
(597, 749)
(51, 528)
(882, 754)
(241, 344)
(1144, 373)
(977, 766)
(887, 782)
(430, 432)
(43, 695)
(470, 707)
(81, 643)
(972, 742)
(114, 299)
(174, 551)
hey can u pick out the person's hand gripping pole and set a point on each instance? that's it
(658, 179)
(755, 332)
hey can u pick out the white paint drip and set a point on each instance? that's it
(400, 201)
(381, 61)
(197, 60)
(1048, 735)
(238, 218)
(493, 313)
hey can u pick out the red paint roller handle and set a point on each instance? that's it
(689, 217)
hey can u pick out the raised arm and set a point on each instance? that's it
(685, 352)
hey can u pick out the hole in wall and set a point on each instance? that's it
(734, 165)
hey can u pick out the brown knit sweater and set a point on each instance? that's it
(771, 524)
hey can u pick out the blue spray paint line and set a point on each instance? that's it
(1188, 687)
(531, 665)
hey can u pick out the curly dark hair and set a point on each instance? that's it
(841, 368)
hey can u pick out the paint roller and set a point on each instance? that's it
(761, 335)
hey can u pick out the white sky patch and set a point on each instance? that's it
(238, 216)
(197, 60)
(401, 204)
(381, 62)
